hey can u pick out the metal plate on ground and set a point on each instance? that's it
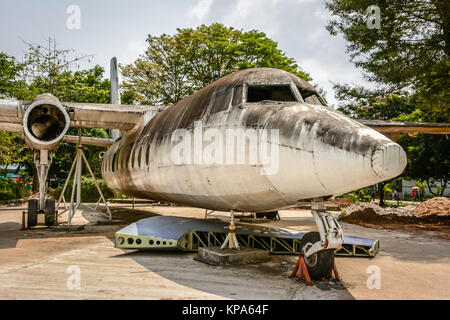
(188, 234)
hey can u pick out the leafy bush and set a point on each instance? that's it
(358, 195)
(10, 189)
(89, 191)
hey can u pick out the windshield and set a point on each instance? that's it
(221, 100)
(270, 93)
(310, 96)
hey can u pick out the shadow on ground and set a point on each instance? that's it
(9, 236)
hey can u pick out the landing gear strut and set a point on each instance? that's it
(42, 161)
(330, 231)
(316, 258)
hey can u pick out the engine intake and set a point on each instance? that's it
(45, 122)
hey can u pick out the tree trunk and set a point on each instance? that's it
(381, 192)
(443, 186)
(35, 180)
(429, 189)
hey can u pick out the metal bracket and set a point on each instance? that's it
(208, 212)
(231, 238)
(331, 234)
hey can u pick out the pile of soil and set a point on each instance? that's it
(436, 210)
(341, 203)
(439, 206)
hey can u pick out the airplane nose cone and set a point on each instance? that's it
(389, 161)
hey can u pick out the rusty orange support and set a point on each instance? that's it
(337, 277)
(300, 266)
(294, 271)
(23, 221)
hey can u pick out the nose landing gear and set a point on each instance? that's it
(316, 259)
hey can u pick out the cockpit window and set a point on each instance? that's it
(221, 100)
(237, 96)
(310, 96)
(272, 93)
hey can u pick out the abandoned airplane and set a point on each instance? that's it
(257, 140)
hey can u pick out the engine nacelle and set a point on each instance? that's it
(45, 122)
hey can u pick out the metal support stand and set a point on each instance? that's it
(77, 164)
(231, 238)
(301, 271)
(336, 277)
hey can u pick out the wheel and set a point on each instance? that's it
(32, 212)
(321, 263)
(50, 212)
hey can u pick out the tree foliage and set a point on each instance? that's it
(175, 66)
(408, 55)
(11, 84)
(408, 60)
(431, 167)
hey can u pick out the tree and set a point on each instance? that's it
(176, 66)
(10, 83)
(12, 147)
(381, 109)
(428, 156)
(12, 150)
(431, 168)
(408, 60)
(408, 55)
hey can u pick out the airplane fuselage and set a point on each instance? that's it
(256, 140)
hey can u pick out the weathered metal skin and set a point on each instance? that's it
(320, 152)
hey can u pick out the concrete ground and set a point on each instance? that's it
(44, 264)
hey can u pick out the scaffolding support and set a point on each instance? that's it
(78, 166)
(231, 238)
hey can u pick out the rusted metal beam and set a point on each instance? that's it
(412, 128)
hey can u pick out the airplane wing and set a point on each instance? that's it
(89, 141)
(412, 128)
(127, 118)
(392, 129)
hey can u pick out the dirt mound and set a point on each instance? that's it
(399, 211)
(439, 206)
(369, 213)
(341, 203)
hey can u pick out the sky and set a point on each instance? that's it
(108, 28)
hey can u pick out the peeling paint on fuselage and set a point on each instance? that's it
(321, 152)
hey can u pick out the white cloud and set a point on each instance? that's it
(324, 73)
(299, 28)
(200, 10)
(133, 49)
